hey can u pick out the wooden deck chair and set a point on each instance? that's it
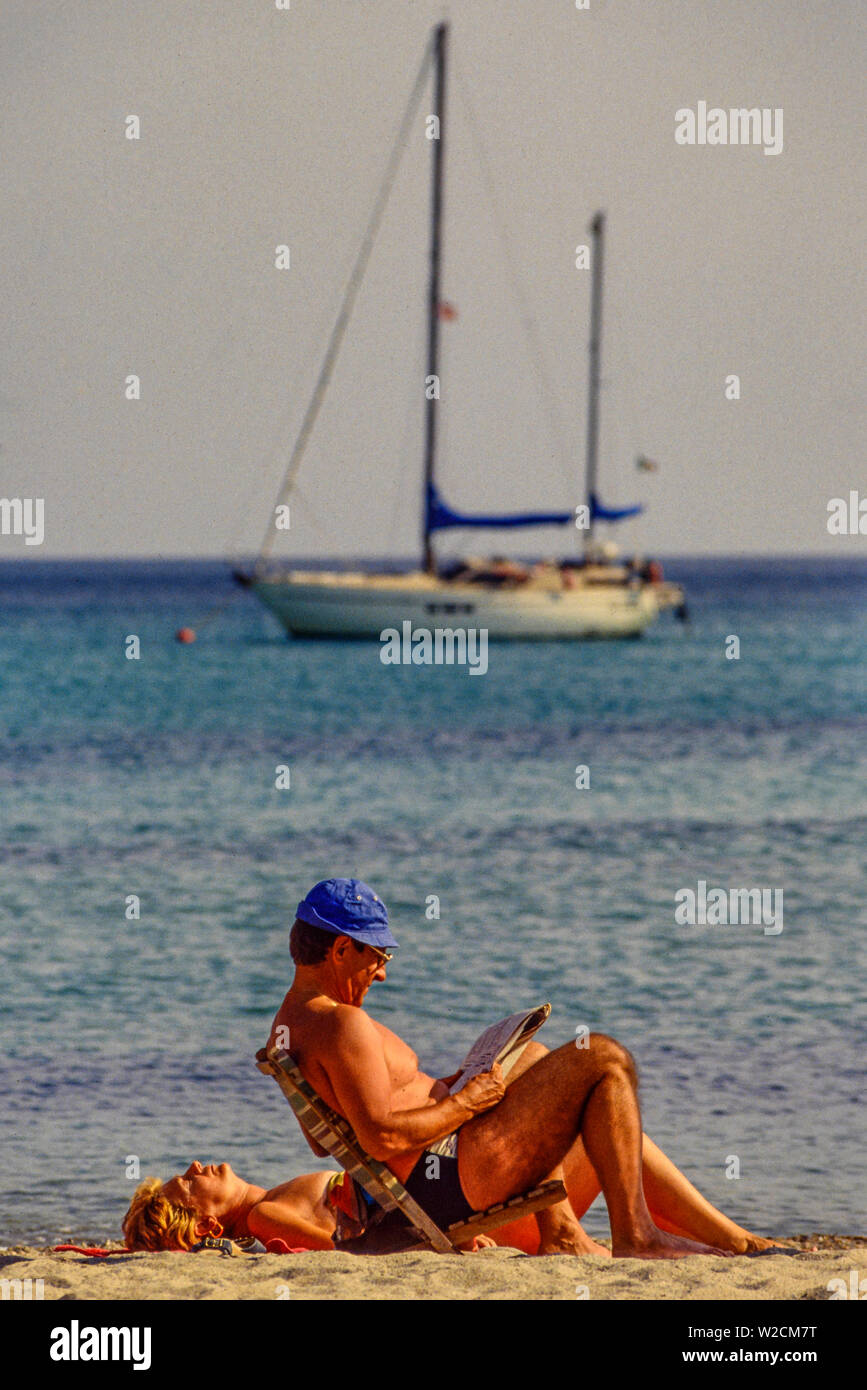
(336, 1135)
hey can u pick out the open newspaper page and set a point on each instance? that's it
(499, 1041)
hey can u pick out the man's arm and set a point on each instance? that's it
(356, 1066)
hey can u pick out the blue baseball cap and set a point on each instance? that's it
(347, 907)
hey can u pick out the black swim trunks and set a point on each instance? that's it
(436, 1187)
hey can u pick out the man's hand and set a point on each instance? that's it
(482, 1092)
(449, 1081)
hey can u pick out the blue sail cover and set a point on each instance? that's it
(440, 516)
(600, 513)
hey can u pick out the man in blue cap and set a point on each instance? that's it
(347, 905)
(341, 943)
(492, 1141)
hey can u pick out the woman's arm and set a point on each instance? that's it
(295, 1212)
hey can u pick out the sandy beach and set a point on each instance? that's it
(499, 1274)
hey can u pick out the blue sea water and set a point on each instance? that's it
(156, 777)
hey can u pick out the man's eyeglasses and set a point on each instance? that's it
(382, 957)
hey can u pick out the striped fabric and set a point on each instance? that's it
(337, 1137)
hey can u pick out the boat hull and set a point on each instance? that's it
(360, 606)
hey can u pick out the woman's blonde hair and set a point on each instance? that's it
(155, 1223)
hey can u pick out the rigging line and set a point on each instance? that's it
(537, 354)
(350, 295)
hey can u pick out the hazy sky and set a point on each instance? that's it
(261, 127)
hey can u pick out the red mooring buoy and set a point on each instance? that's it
(185, 634)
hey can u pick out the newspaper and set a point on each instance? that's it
(499, 1041)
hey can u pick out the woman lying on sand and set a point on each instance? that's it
(214, 1201)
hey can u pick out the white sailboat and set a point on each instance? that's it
(592, 596)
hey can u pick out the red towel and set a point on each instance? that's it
(99, 1252)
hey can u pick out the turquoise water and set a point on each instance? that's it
(156, 778)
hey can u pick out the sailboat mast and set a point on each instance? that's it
(433, 334)
(597, 227)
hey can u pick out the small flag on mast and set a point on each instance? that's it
(646, 465)
(448, 312)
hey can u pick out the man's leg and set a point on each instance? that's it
(591, 1091)
(556, 1230)
(674, 1203)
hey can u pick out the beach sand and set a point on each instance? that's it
(490, 1274)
